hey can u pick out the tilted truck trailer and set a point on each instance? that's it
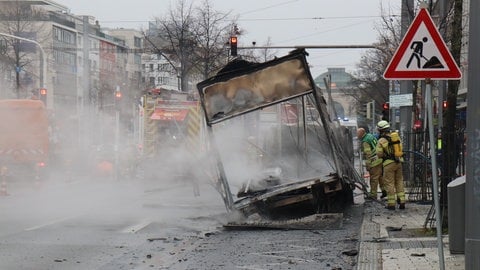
(24, 139)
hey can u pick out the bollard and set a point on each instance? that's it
(456, 215)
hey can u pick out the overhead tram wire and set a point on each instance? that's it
(268, 7)
(266, 19)
(315, 18)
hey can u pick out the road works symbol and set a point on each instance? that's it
(422, 54)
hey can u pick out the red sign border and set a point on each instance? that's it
(453, 71)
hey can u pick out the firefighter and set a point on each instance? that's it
(372, 162)
(392, 167)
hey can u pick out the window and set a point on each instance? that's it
(64, 35)
(137, 42)
(64, 58)
(137, 59)
(164, 67)
(151, 67)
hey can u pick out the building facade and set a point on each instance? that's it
(342, 90)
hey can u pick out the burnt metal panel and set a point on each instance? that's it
(244, 86)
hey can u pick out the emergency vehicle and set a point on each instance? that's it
(24, 139)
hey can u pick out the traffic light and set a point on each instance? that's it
(233, 45)
(42, 93)
(118, 99)
(386, 111)
(369, 113)
(444, 105)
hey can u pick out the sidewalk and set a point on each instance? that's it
(396, 240)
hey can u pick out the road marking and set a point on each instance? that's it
(137, 227)
(51, 223)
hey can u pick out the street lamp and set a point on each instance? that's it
(43, 66)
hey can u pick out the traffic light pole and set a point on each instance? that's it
(117, 146)
(373, 116)
(117, 98)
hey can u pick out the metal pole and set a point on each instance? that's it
(433, 160)
(442, 88)
(370, 46)
(373, 116)
(117, 134)
(472, 184)
(117, 140)
(406, 86)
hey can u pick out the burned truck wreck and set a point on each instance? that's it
(275, 150)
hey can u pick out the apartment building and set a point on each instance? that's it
(84, 63)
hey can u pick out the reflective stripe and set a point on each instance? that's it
(391, 199)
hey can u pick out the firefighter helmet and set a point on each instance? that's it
(383, 125)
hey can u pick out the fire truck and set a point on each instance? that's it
(170, 128)
(166, 117)
(24, 139)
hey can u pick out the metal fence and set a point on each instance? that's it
(417, 168)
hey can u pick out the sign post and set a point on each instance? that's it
(422, 54)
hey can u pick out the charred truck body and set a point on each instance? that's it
(273, 141)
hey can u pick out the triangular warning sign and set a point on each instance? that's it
(422, 54)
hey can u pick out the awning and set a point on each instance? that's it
(169, 114)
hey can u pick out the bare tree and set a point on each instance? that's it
(23, 20)
(195, 37)
(370, 69)
(369, 75)
(454, 37)
(175, 38)
(211, 31)
(266, 54)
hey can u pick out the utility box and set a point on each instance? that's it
(456, 215)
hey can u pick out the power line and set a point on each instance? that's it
(269, 19)
(325, 31)
(268, 7)
(315, 18)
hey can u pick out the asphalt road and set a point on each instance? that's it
(332, 248)
(154, 224)
(100, 224)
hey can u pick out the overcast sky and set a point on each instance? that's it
(286, 22)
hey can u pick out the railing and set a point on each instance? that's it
(417, 169)
(417, 172)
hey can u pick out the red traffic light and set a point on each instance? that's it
(233, 45)
(43, 91)
(444, 104)
(386, 106)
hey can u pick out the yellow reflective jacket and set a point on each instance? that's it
(369, 143)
